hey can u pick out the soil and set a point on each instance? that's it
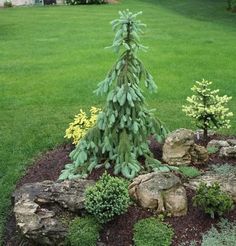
(119, 231)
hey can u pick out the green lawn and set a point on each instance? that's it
(51, 59)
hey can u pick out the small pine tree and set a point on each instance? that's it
(207, 108)
(124, 125)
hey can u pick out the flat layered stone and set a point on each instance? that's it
(41, 225)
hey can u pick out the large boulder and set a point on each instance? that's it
(226, 148)
(217, 144)
(227, 182)
(228, 152)
(160, 191)
(232, 142)
(179, 148)
(35, 212)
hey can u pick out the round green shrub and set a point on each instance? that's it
(107, 198)
(151, 231)
(83, 232)
(212, 200)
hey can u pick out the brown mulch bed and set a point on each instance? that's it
(119, 231)
(194, 224)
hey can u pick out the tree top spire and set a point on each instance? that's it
(127, 29)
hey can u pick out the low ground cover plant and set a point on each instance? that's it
(207, 108)
(83, 231)
(108, 198)
(212, 149)
(189, 172)
(224, 169)
(152, 231)
(212, 200)
(223, 235)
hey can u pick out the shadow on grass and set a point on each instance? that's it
(214, 11)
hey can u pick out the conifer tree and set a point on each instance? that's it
(207, 108)
(120, 135)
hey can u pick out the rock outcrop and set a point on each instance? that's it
(217, 144)
(226, 148)
(34, 217)
(229, 152)
(179, 148)
(227, 182)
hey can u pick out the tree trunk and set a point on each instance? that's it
(205, 136)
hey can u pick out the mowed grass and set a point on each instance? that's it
(51, 59)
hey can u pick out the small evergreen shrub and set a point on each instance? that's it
(189, 172)
(212, 200)
(7, 4)
(151, 231)
(208, 109)
(107, 198)
(224, 236)
(83, 232)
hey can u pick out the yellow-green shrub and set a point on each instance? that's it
(208, 109)
(81, 124)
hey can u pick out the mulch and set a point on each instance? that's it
(119, 231)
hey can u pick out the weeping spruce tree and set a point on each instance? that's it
(120, 135)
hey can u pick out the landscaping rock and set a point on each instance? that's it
(39, 224)
(179, 148)
(227, 182)
(198, 154)
(232, 142)
(229, 152)
(217, 144)
(160, 191)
